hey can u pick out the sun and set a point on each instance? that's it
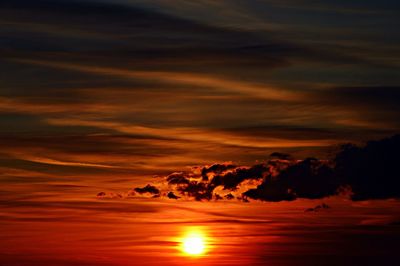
(193, 244)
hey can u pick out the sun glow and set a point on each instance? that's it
(193, 244)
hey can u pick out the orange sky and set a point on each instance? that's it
(129, 232)
(110, 96)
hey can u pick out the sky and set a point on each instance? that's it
(119, 115)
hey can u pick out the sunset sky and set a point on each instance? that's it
(128, 126)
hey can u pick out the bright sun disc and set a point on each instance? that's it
(193, 244)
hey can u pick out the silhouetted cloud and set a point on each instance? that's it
(310, 178)
(229, 196)
(273, 191)
(110, 195)
(171, 195)
(372, 171)
(281, 156)
(369, 172)
(216, 169)
(232, 179)
(217, 197)
(148, 189)
(197, 190)
(101, 194)
(178, 178)
(318, 208)
(70, 53)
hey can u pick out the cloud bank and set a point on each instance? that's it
(368, 172)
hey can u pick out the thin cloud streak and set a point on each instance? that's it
(263, 92)
(57, 162)
(195, 134)
(26, 106)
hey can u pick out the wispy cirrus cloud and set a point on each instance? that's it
(186, 90)
(182, 78)
(196, 134)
